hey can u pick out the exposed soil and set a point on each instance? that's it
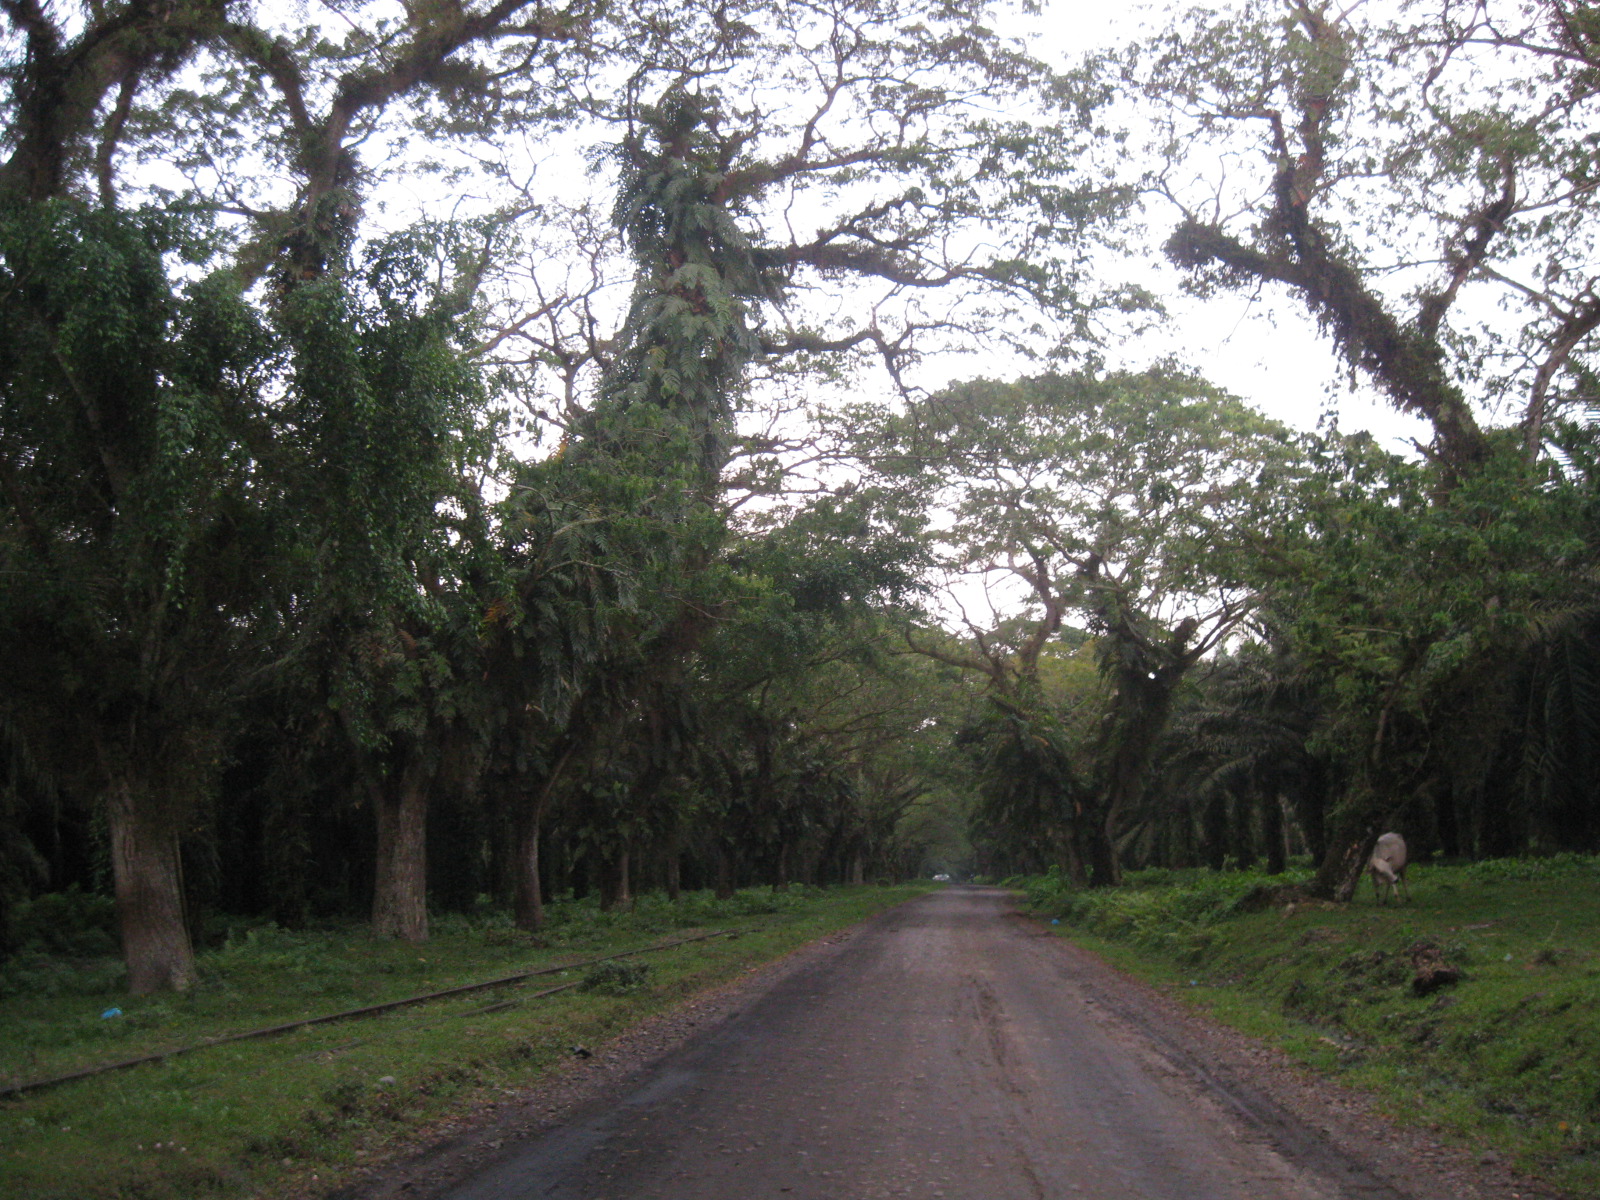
(945, 1048)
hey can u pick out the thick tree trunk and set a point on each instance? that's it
(616, 889)
(148, 875)
(1074, 863)
(724, 874)
(399, 896)
(1101, 854)
(1345, 861)
(858, 875)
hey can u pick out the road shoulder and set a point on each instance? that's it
(1313, 1121)
(442, 1155)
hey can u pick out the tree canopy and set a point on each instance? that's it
(481, 448)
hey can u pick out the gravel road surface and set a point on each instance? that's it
(947, 1050)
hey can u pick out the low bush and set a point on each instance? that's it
(1168, 911)
(618, 977)
(73, 924)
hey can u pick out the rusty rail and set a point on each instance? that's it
(349, 1014)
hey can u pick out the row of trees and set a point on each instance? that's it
(1228, 641)
(268, 550)
(1382, 641)
(325, 536)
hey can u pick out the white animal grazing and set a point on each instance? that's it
(1388, 867)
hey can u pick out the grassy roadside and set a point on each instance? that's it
(295, 1114)
(1474, 1011)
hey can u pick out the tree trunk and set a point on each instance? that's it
(530, 885)
(148, 875)
(724, 874)
(1447, 823)
(1346, 859)
(1100, 852)
(858, 875)
(782, 884)
(615, 881)
(1272, 832)
(625, 878)
(399, 895)
(529, 907)
(1074, 862)
(549, 868)
(1241, 837)
(674, 854)
(1214, 830)
(807, 874)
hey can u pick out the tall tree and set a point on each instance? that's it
(1404, 607)
(143, 536)
(1122, 502)
(642, 477)
(397, 435)
(1415, 176)
(884, 135)
(177, 414)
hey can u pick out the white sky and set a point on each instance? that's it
(1264, 348)
(1261, 348)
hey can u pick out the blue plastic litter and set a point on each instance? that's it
(109, 1013)
(1055, 920)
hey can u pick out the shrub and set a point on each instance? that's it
(1554, 866)
(619, 977)
(1161, 909)
(34, 974)
(72, 923)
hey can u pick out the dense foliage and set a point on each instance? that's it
(365, 553)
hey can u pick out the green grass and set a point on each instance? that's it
(1507, 1056)
(295, 1114)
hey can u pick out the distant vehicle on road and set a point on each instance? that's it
(941, 878)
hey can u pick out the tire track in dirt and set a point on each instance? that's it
(988, 1014)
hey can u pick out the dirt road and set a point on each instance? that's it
(945, 1050)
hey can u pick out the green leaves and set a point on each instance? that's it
(1407, 175)
(1148, 477)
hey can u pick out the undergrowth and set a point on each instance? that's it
(299, 1114)
(1171, 912)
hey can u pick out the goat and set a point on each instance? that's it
(1388, 867)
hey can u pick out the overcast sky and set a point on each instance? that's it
(1260, 348)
